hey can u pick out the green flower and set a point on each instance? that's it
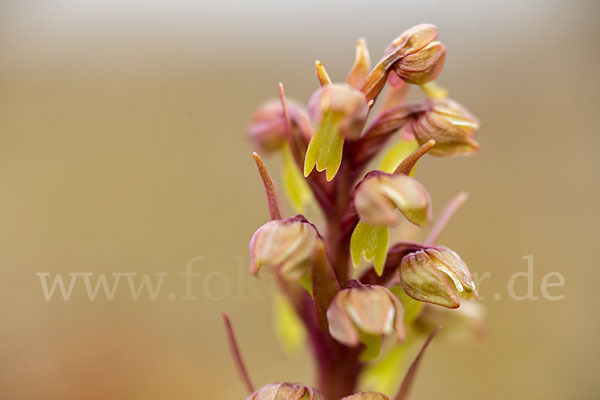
(339, 112)
(365, 310)
(377, 198)
(449, 124)
(283, 243)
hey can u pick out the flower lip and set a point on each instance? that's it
(339, 113)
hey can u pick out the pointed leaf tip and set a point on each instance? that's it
(396, 154)
(411, 374)
(286, 113)
(446, 215)
(269, 187)
(362, 65)
(322, 74)
(408, 164)
(237, 355)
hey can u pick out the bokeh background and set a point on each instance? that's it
(122, 150)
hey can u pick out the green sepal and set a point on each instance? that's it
(372, 243)
(325, 147)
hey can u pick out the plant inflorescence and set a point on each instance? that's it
(360, 318)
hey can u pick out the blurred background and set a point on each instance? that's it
(122, 149)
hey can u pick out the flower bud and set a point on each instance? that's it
(367, 309)
(284, 244)
(267, 129)
(361, 67)
(412, 40)
(287, 391)
(367, 396)
(450, 125)
(348, 105)
(378, 197)
(340, 113)
(422, 66)
(437, 275)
